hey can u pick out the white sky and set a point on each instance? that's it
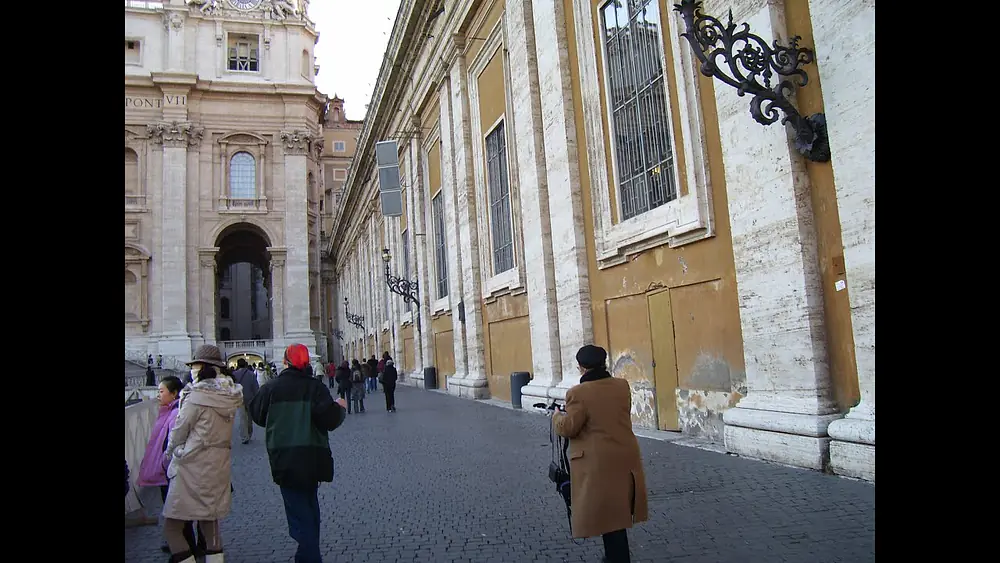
(353, 35)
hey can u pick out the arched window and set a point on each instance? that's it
(243, 176)
(224, 308)
(131, 172)
(131, 296)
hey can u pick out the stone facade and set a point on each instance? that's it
(739, 305)
(223, 139)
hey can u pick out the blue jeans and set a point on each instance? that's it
(372, 383)
(302, 512)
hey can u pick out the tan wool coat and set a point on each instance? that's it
(607, 482)
(200, 451)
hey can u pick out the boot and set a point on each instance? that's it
(182, 557)
(214, 557)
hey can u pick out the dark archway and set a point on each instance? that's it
(243, 286)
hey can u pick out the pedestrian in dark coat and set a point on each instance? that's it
(389, 385)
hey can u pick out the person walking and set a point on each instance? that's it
(389, 385)
(299, 413)
(247, 379)
(607, 482)
(199, 457)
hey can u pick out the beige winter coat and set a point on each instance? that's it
(607, 481)
(199, 450)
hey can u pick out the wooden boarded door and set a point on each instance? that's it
(661, 328)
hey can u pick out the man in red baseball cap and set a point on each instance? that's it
(292, 406)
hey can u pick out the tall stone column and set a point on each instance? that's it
(422, 275)
(296, 146)
(455, 259)
(788, 407)
(533, 185)
(277, 300)
(474, 383)
(175, 138)
(207, 302)
(569, 249)
(848, 27)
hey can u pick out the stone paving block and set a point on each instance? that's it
(447, 479)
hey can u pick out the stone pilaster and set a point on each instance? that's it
(206, 304)
(474, 383)
(173, 23)
(175, 138)
(296, 145)
(841, 27)
(534, 193)
(455, 258)
(423, 271)
(278, 298)
(785, 415)
(569, 249)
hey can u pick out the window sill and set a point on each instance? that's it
(511, 279)
(442, 305)
(675, 223)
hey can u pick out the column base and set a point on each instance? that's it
(852, 447)
(793, 439)
(475, 387)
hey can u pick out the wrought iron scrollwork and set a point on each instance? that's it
(338, 333)
(356, 320)
(752, 66)
(410, 290)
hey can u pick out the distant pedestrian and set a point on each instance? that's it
(389, 385)
(358, 383)
(248, 380)
(298, 413)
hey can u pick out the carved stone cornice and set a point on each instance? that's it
(454, 49)
(175, 134)
(296, 142)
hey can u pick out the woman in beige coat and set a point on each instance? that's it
(199, 451)
(607, 483)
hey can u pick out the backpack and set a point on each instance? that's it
(356, 376)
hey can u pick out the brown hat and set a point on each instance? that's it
(208, 354)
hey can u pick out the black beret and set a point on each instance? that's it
(591, 356)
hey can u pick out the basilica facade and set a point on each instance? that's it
(223, 179)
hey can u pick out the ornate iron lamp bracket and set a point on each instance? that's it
(410, 290)
(338, 333)
(752, 65)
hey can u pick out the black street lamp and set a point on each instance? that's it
(356, 320)
(752, 64)
(400, 286)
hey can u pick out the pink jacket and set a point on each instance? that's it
(152, 471)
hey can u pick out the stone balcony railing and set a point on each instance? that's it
(243, 204)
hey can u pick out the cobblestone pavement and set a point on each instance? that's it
(447, 479)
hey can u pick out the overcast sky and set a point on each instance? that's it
(352, 39)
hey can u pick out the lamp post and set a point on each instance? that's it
(752, 64)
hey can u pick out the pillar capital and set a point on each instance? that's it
(175, 134)
(297, 142)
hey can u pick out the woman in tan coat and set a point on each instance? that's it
(607, 482)
(199, 451)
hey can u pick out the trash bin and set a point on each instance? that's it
(518, 379)
(430, 378)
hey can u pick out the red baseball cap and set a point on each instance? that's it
(297, 355)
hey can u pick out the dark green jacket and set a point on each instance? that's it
(298, 413)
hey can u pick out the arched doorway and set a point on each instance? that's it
(243, 285)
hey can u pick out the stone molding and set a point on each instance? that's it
(296, 142)
(175, 134)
